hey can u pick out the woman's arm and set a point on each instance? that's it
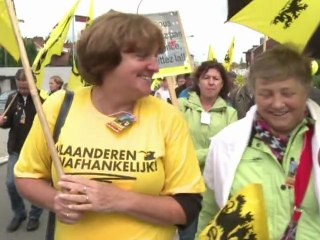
(37, 191)
(42, 194)
(105, 197)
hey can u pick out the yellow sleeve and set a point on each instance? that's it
(182, 170)
(34, 159)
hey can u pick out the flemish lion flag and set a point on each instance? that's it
(7, 37)
(53, 45)
(75, 80)
(243, 217)
(229, 56)
(211, 55)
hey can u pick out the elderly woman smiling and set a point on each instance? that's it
(277, 148)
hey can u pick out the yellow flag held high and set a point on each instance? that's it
(211, 55)
(243, 217)
(229, 56)
(7, 37)
(294, 21)
(75, 80)
(53, 45)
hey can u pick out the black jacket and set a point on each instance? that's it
(19, 129)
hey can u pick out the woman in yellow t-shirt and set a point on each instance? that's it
(130, 168)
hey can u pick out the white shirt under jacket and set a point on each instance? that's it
(226, 149)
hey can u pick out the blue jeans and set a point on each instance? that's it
(16, 200)
(189, 232)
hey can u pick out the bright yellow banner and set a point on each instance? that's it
(7, 36)
(282, 20)
(211, 55)
(53, 45)
(229, 56)
(75, 80)
(243, 217)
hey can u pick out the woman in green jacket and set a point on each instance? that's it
(207, 112)
(206, 109)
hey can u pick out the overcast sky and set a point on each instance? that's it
(202, 19)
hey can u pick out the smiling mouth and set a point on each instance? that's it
(145, 77)
(279, 114)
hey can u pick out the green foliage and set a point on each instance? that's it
(7, 61)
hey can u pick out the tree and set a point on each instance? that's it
(7, 61)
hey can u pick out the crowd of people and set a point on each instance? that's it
(137, 167)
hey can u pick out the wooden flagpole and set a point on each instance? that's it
(9, 105)
(33, 89)
(171, 86)
(171, 80)
(265, 39)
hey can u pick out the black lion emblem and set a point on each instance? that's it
(290, 12)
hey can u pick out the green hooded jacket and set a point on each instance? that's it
(221, 115)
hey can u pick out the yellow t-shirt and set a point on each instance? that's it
(153, 156)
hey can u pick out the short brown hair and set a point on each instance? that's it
(58, 80)
(101, 44)
(279, 63)
(204, 68)
(21, 75)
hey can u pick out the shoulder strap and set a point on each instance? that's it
(64, 109)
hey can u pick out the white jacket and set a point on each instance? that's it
(227, 147)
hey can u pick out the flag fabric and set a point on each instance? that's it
(243, 217)
(229, 56)
(211, 55)
(75, 80)
(294, 21)
(53, 45)
(7, 37)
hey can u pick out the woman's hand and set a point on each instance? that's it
(3, 119)
(62, 210)
(83, 195)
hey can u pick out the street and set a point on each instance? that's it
(6, 213)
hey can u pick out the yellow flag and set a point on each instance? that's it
(75, 80)
(243, 217)
(53, 45)
(285, 21)
(7, 37)
(156, 84)
(229, 56)
(211, 55)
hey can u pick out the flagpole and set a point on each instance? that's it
(73, 38)
(265, 39)
(33, 89)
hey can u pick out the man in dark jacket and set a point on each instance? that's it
(19, 118)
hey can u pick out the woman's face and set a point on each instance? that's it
(53, 86)
(281, 104)
(133, 75)
(181, 81)
(210, 83)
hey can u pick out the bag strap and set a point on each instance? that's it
(64, 109)
(300, 185)
(303, 174)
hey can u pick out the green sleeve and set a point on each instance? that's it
(202, 155)
(233, 115)
(208, 211)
